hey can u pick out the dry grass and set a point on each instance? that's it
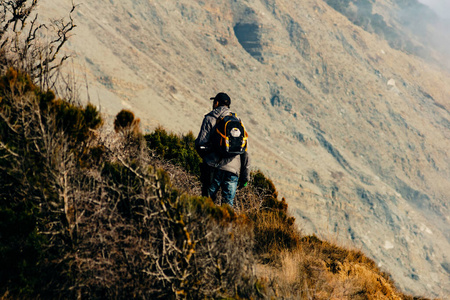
(321, 270)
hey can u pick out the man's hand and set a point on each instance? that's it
(242, 184)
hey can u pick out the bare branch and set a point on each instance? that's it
(8, 149)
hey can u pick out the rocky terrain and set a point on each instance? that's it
(346, 103)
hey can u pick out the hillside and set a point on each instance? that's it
(353, 128)
(98, 214)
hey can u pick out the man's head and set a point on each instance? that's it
(221, 99)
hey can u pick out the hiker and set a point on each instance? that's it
(228, 168)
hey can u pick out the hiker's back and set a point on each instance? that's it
(229, 137)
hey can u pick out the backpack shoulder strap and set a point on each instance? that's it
(222, 116)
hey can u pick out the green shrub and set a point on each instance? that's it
(274, 230)
(262, 184)
(126, 123)
(76, 122)
(179, 149)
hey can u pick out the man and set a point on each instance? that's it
(218, 171)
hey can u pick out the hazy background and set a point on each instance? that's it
(441, 7)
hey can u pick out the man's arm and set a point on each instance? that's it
(202, 141)
(244, 176)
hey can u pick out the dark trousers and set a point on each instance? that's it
(206, 177)
(214, 179)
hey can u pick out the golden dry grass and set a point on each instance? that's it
(317, 269)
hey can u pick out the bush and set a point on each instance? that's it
(274, 230)
(42, 139)
(179, 149)
(263, 185)
(126, 123)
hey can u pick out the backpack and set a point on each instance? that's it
(229, 137)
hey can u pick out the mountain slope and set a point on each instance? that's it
(354, 133)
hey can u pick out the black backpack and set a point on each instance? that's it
(229, 137)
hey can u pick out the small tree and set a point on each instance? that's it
(21, 44)
(126, 123)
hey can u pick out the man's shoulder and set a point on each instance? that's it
(217, 112)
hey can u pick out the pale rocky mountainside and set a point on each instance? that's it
(355, 134)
